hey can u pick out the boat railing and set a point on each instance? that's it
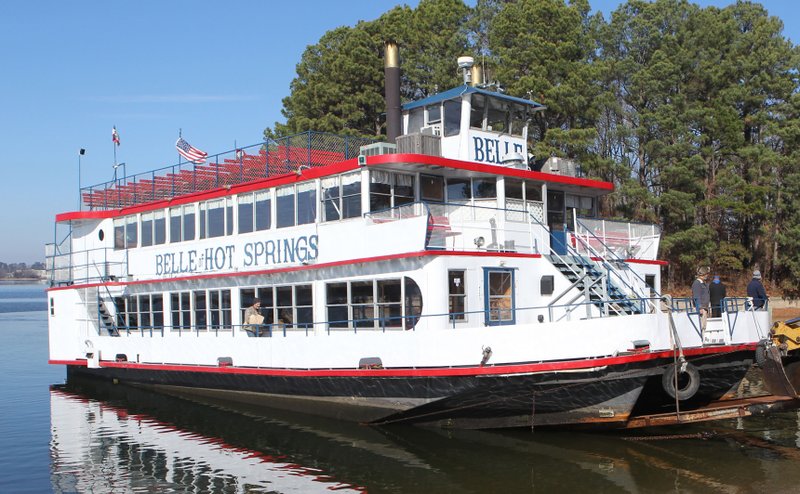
(270, 158)
(85, 266)
(730, 309)
(477, 226)
(618, 239)
(398, 323)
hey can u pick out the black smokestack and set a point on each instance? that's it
(392, 74)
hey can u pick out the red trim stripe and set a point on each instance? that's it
(422, 372)
(422, 159)
(424, 253)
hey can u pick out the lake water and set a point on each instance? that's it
(92, 437)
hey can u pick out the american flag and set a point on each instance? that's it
(114, 135)
(190, 153)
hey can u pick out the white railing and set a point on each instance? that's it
(624, 240)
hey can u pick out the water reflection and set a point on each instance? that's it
(109, 438)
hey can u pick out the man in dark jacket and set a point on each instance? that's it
(700, 295)
(756, 291)
(717, 292)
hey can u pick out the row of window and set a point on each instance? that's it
(361, 304)
(340, 198)
(485, 114)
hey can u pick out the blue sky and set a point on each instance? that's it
(216, 70)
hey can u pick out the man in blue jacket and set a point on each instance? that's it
(756, 291)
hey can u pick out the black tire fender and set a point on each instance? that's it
(684, 392)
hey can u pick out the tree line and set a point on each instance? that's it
(693, 113)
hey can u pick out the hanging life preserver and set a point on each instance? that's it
(688, 381)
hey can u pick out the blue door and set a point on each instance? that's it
(558, 241)
(498, 299)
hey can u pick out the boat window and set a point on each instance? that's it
(188, 222)
(337, 305)
(284, 304)
(403, 189)
(264, 295)
(413, 302)
(497, 116)
(452, 117)
(363, 298)
(245, 210)
(331, 199)
(306, 203)
(200, 316)
(341, 197)
(484, 188)
(285, 206)
(434, 114)
(518, 120)
(219, 309)
(175, 225)
(203, 214)
(119, 234)
(390, 303)
(380, 190)
(304, 306)
(514, 189)
(181, 311)
(457, 294)
(159, 228)
(147, 229)
(263, 210)
(415, 121)
(458, 189)
(131, 231)
(144, 312)
(499, 296)
(477, 111)
(533, 191)
(131, 313)
(228, 216)
(431, 188)
(215, 218)
(351, 195)
(583, 205)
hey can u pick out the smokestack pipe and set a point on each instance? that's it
(392, 75)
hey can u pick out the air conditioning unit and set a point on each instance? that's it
(562, 166)
(377, 148)
(431, 130)
(419, 143)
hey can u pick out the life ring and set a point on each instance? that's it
(688, 381)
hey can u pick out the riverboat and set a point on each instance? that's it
(439, 278)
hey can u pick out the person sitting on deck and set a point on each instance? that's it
(253, 319)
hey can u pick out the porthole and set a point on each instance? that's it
(101, 235)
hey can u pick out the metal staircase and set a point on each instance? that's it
(593, 280)
(610, 285)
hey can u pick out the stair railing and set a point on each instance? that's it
(598, 286)
(613, 267)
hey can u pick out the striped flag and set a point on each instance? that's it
(191, 154)
(114, 135)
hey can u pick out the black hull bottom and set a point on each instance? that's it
(598, 398)
(475, 402)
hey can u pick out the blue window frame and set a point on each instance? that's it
(499, 298)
